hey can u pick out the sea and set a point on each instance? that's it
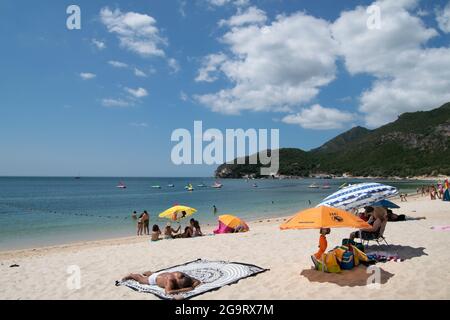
(45, 211)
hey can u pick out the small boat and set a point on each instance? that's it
(217, 185)
(202, 185)
(313, 186)
(189, 187)
(326, 186)
(156, 187)
(171, 185)
(255, 185)
(121, 185)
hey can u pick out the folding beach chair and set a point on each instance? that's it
(379, 238)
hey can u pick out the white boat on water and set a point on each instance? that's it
(217, 185)
(156, 187)
(121, 185)
(326, 186)
(171, 185)
(313, 186)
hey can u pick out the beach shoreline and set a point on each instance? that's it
(42, 273)
(207, 229)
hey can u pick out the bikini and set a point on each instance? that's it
(152, 279)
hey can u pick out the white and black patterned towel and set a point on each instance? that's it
(212, 274)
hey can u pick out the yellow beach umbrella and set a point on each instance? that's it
(177, 213)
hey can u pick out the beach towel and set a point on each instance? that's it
(441, 228)
(212, 274)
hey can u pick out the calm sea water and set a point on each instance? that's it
(45, 211)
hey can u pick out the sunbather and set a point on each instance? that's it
(379, 216)
(401, 217)
(156, 232)
(171, 282)
(169, 231)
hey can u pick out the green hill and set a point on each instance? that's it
(417, 143)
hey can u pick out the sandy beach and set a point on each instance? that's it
(42, 273)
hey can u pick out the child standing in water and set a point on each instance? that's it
(323, 243)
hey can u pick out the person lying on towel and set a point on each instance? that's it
(172, 282)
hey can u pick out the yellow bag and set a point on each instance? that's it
(361, 256)
(327, 263)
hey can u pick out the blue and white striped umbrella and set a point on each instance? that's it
(358, 196)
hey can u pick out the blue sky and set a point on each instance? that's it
(104, 100)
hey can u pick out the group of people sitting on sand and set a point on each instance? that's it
(192, 230)
(143, 228)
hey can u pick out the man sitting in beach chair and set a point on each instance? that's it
(378, 221)
(172, 282)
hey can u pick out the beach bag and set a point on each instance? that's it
(362, 257)
(339, 252)
(347, 262)
(327, 263)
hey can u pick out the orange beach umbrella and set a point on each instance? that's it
(324, 217)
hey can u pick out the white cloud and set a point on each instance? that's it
(182, 8)
(443, 18)
(183, 96)
(115, 103)
(100, 45)
(272, 67)
(320, 118)
(210, 67)
(220, 3)
(137, 93)
(251, 15)
(87, 75)
(139, 124)
(118, 64)
(409, 76)
(173, 65)
(136, 32)
(139, 73)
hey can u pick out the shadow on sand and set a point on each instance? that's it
(357, 277)
(404, 252)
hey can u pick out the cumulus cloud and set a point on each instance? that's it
(220, 3)
(251, 15)
(320, 118)
(136, 32)
(173, 65)
(137, 93)
(100, 45)
(443, 18)
(139, 73)
(87, 75)
(210, 67)
(115, 103)
(118, 64)
(272, 67)
(409, 76)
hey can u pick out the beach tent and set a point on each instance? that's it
(359, 195)
(386, 204)
(176, 213)
(324, 217)
(231, 224)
